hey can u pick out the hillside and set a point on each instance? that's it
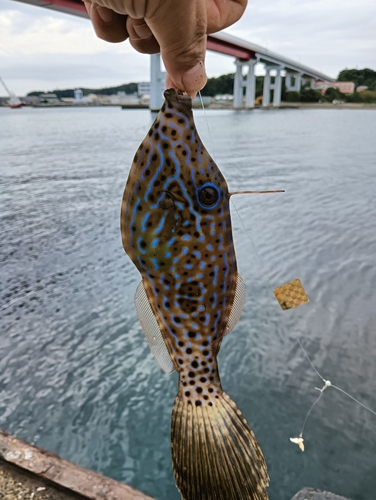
(364, 76)
(224, 84)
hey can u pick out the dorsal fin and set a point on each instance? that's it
(237, 306)
(152, 331)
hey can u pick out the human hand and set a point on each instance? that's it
(175, 28)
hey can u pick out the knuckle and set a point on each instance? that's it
(189, 52)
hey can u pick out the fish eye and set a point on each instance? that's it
(208, 196)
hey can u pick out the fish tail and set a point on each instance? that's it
(215, 453)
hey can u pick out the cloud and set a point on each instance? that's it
(45, 49)
(54, 71)
(40, 49)
(327, 35)
(49, 34)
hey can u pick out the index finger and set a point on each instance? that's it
(108, 25)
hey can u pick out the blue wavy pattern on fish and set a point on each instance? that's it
(176, 228)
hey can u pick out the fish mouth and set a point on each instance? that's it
(178, 99)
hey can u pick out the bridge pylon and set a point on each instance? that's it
(157, 82)
(296, 87)
(275, 86)
(248, 82)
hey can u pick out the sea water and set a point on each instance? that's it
(76, 375)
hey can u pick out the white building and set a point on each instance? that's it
(123, 98)
(78, 95)
(344, 87)
(48, 99)
(143, 88)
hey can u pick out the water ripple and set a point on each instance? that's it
(76, 376)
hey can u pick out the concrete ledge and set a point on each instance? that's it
(52, 469)
(312, 494)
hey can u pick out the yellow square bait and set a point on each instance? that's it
(291, 295)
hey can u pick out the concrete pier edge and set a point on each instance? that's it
(53, 469)
(312, 494)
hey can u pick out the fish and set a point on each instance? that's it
(176, 228)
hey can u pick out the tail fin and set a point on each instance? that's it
(215, 453)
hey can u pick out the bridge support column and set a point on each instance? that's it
(277, 89)
(297, 83)
(276, 86)
(308, 79)
(267, 87)
(238, 85)
(250, 86)
(249, 83)
(157, 82)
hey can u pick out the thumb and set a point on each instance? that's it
(181, 35)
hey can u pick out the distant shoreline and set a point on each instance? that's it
(328, 105)
(220, 105)
(298, 105)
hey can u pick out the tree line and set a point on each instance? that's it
(224, 84)
(128, 88)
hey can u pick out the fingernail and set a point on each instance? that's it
(142, 30)
(195, 78)
(105, 14)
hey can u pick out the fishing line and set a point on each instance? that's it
(308, 414)
(327, 383)
(207, 125)
(306, 355)
(354, 399)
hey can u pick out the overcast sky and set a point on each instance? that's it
(42, 49)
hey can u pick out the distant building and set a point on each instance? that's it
(199, 100)
(48, 99)
(361, 88)
(143, 88)
(123, 98)
(92, 99)
(145, 99)
(104, 99)
(78, 95)
(223, 97)
(31, 99)
(344, 87)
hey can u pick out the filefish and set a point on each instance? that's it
(176, 228)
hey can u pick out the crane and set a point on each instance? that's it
(14, 102)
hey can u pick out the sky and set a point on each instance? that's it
(41, 49)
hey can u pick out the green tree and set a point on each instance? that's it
(219, 85)
(128, 88)
(309, 95)
(333, 93)
(292, 96)
(364, 76)
(225, 85)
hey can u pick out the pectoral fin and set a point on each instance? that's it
(152, 331)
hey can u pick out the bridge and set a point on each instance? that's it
(246, 55)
